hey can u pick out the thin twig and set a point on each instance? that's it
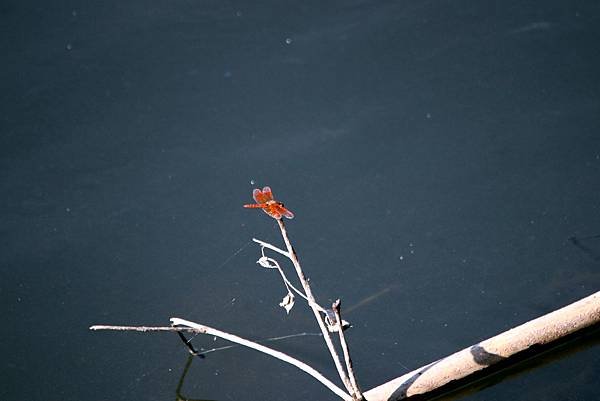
(142, 328)
(258, 347)
(312, 302)
(337, 306)
(271, 247)
(288, 283)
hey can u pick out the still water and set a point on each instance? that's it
(439, 157)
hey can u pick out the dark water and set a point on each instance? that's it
(438, 157)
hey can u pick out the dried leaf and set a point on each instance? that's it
(265, 262)
(345, 325)
(288, 302)
(332, 323)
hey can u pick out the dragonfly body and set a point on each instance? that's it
(264, 200)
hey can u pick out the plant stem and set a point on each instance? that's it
(271, 247)
(312, 303)
(337, 306)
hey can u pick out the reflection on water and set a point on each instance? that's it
(178, 391)
(367, 300)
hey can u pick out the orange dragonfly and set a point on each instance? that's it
(264, 200)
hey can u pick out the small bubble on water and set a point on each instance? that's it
(252, 182)
(288, 40)
(69, 46)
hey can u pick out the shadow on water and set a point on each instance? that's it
(502, 369)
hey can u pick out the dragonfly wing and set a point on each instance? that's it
(267, 193)
(288, 214)
(273, 212)
(259, 196)
(264, 200)
(284, 212)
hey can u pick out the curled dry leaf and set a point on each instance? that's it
(266, 262)
(288, 302)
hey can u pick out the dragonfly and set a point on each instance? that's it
(264, 200)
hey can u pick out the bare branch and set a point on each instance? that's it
(271, 247)
(275, 265)
(142, 328)
(271, 263)
(313, 305)
(180, 325)
(336, 306)
(261, 348)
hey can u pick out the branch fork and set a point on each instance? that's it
(329, 320)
